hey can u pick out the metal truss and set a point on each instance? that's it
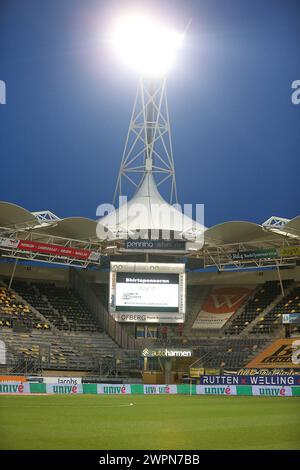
(15, 253)
(148, 146)
(277, 225)
(275, 222)
(46, 217)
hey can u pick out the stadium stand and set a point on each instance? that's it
(259, 301)
(14, 312)
(61, 330)
(60, 333)
(58, 304)
(228, 353)
(59, 352)
(270, 322)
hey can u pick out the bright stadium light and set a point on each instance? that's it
(145, 44)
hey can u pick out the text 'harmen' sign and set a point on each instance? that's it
(166, 352)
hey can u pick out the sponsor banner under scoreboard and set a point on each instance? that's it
(166, 317)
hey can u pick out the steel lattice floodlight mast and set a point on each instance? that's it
(148, 146)
(148, 47)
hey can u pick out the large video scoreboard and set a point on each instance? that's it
(147, 292)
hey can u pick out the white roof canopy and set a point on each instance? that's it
(148, 211)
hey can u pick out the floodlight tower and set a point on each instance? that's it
(150, 49)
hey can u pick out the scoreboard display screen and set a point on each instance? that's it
(147, 292)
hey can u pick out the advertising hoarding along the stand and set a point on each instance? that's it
(23, 388)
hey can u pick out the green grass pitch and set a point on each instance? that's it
(152, 422)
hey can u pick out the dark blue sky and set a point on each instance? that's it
(236, 133)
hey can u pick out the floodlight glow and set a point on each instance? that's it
(145, 45)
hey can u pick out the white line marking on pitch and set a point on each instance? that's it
(70, 406)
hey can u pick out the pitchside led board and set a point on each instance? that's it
(147, 292)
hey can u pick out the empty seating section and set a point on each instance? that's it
(58, 304)
(273, 320)
(78, 352)
(94, 345)
(61, 333)
(225, 353)
(255, 306)
(14, 312)
(52, 352)
(79, 345)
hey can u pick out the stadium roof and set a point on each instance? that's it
(239, 232)
(79, 228)
(15, 218)
(293, 227)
